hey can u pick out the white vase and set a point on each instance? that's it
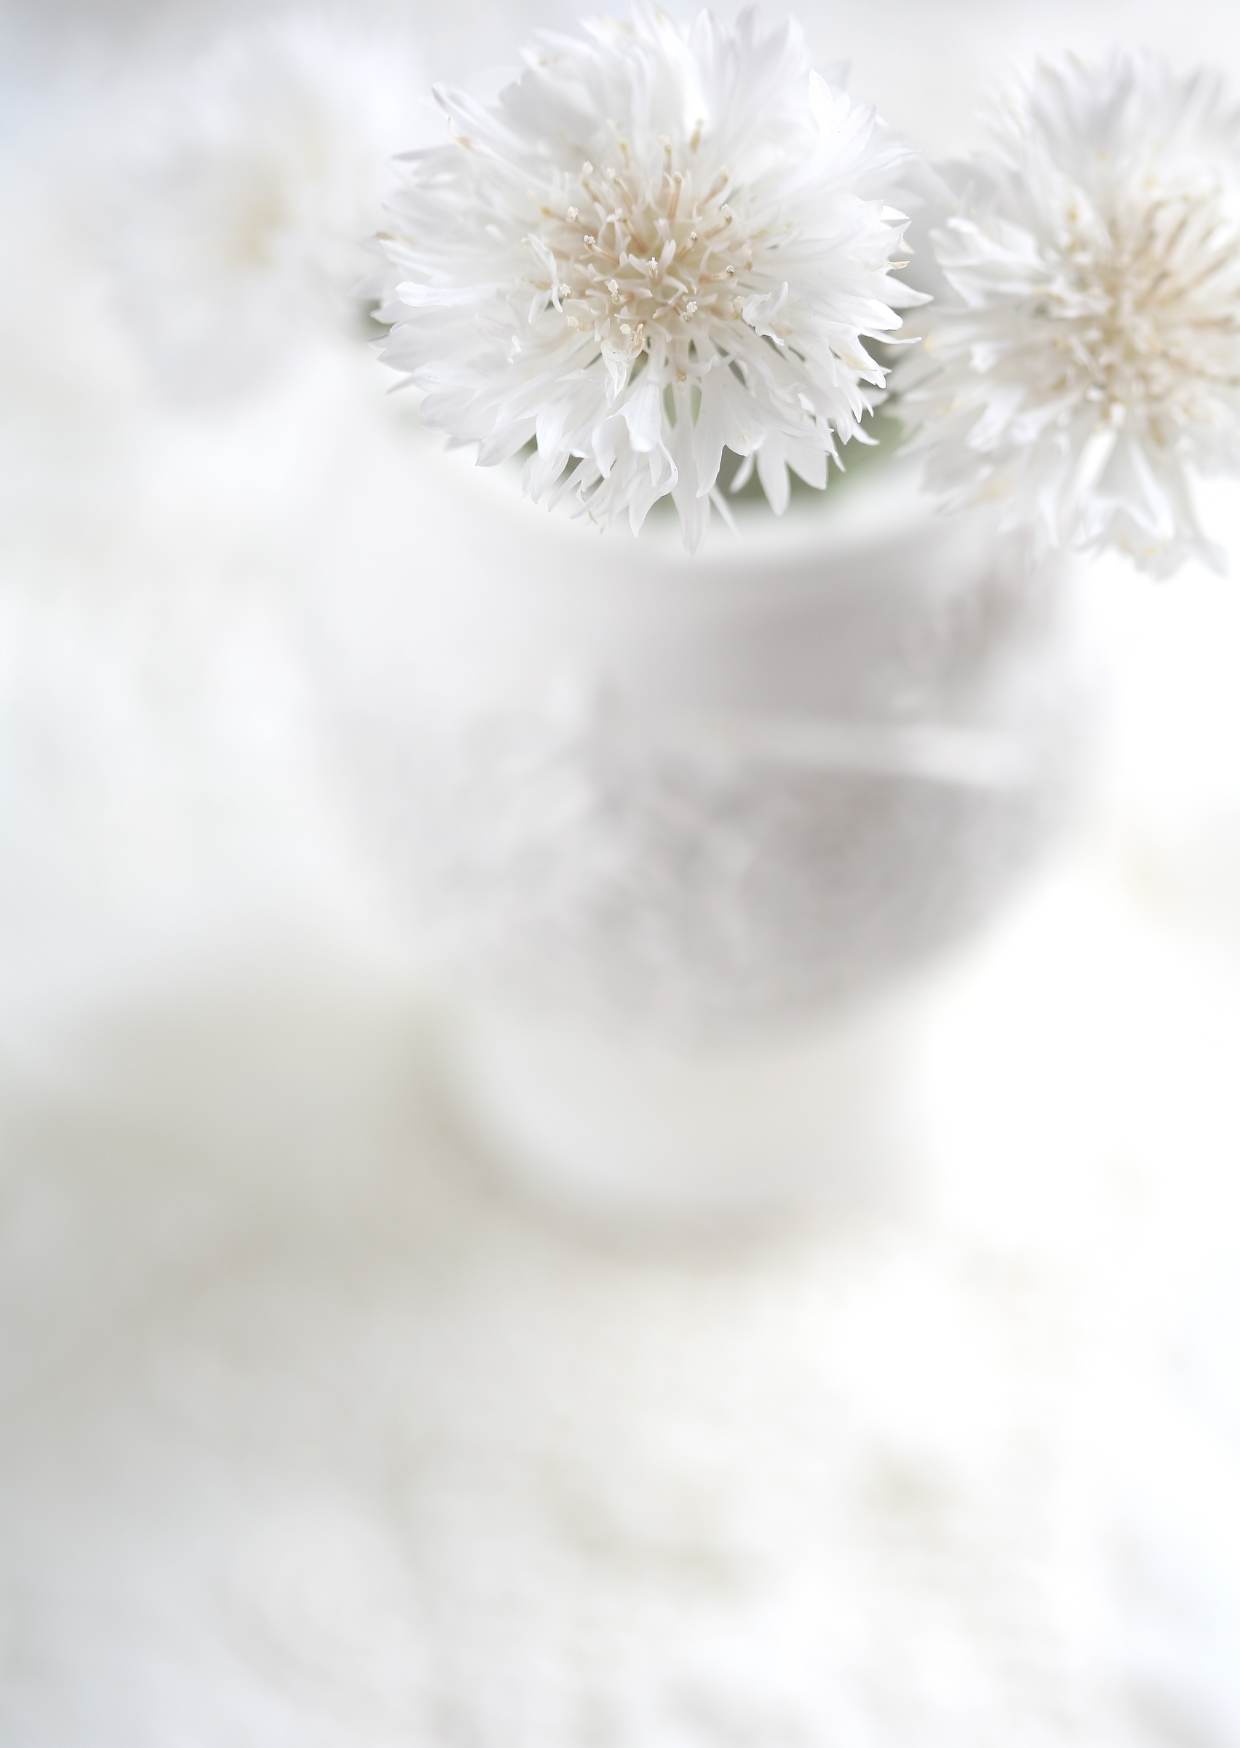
(679, 823)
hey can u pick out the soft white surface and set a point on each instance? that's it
(311, 1437)
(307, 1435)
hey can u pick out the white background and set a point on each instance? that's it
(308, 1434)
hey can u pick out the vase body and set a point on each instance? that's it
(670, 817)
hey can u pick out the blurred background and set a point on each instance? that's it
(309, 1431)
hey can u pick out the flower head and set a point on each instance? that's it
(654, 245)
(1090, 357)
(236, 236)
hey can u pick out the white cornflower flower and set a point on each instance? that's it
(236, 235)
(653, 245)
(1090, 359)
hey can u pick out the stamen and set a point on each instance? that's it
(668, 274)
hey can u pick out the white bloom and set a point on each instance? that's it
(1092, 356)
(237, 233)
(653, 245)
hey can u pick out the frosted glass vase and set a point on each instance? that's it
(680, 828)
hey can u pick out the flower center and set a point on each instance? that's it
(1150, 304)
(636, 254)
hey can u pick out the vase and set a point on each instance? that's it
(681, 830)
